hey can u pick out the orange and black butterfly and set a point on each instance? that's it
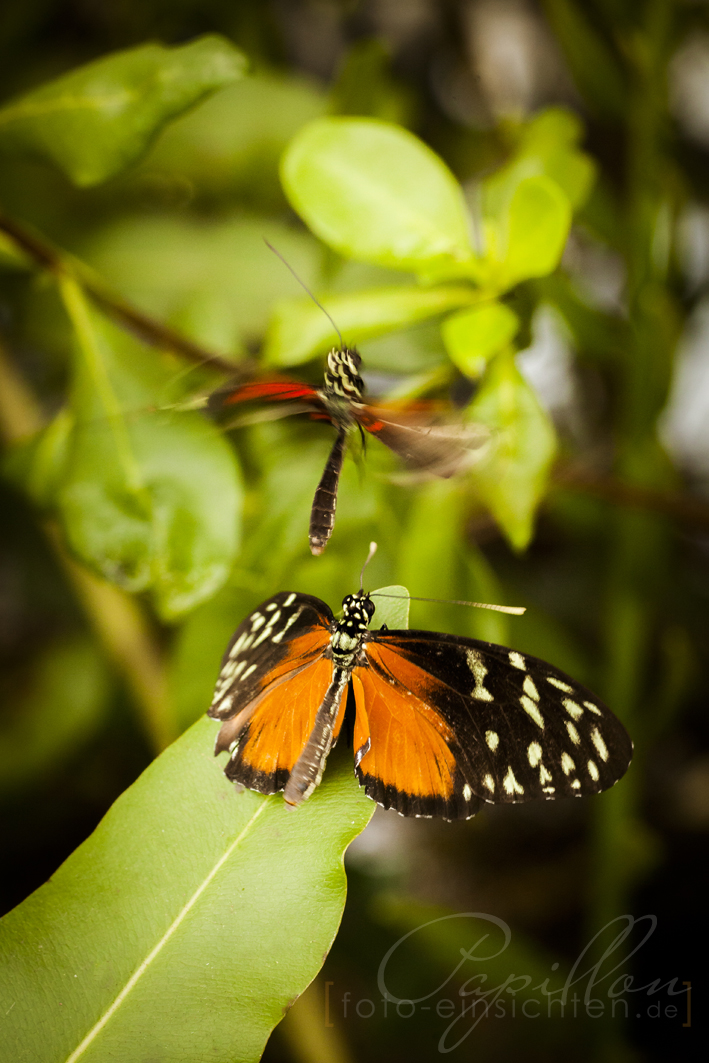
(442, 724)
(433, 449)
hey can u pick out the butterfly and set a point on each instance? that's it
(432, 449)
(442, 724)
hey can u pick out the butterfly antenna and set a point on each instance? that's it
(307, 289)
(512, 610)
(370, 555)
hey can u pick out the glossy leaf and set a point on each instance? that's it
(527, 238)
(220, 904)
(299, 329)
(98, 119)
(150, 500)
(512, 477)
(373, 191)
(473, 336)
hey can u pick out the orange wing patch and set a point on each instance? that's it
(278, 726)
(407, 742)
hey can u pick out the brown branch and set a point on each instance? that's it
(149, 330)
(683, 508)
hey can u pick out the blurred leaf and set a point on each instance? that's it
(375, 192)
(595, 69)
(527, 237)
(473, 336)
(512, 478)
(232, 143)
(484, 586)
(219, 904)
(61, 710)
(150, 500)
(98, 119)
(37, 464)
(365, 85)
(216, 281)
(548, 146)
(299, 329)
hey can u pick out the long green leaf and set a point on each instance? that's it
(95, 121)
(189, 921)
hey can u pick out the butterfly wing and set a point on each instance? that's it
(285, 397)
(509, 728)
(272, 682)
(434, 449)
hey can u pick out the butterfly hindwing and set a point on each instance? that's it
(522, 729)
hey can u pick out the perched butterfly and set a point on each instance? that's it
(433, 449)
(442, 724)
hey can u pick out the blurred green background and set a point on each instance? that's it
(616, 578)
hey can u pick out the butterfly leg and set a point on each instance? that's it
(307, 770)
(322, 515)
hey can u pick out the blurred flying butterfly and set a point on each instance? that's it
(442, 724)
(431, 448)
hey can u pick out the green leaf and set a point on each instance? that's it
(512, 478)
(375, 192)
(95, 121)
(392, 611)
(219, 905)
(232, 143)
(299, 329)
(528, 237)
(62, 708)
(548, 146)
(473, 336)
(216, 281)
(151, 500)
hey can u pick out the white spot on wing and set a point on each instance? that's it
(467, 792)
(575, 785)
(256, 621)
(517, 660)
(593, 770)
(593, 708)
(477, 667)
(529, 687)
(247, 673)
(573, 733)
(493, 739)
(530, 707)
(270, 607)
(290, 599)
(510, 784)
(489, 782)
(534, 753)
(560, 684)
(567, 764)
(575, 711)
(601, 747)
(544, 775)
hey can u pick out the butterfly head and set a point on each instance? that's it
(342, 374)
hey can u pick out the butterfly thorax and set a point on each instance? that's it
(342, 379)
(350, 631)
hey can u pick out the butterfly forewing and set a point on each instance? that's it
(523, 730)
(282, 635)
